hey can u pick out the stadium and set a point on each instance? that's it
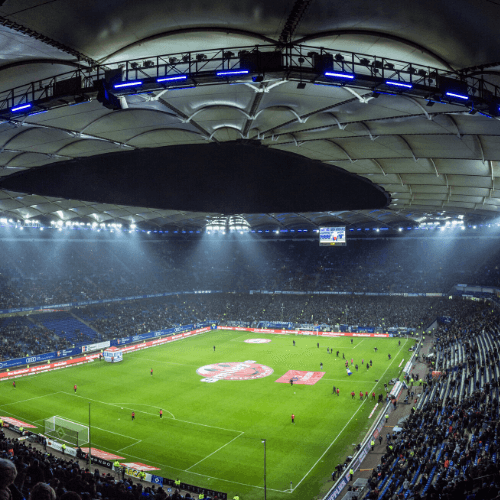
(249, 250)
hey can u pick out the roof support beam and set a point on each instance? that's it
(359, 97)
(342, 149)
(409, 147)
(480, 147)
(378, 165)
(434, 165)
(368, 130)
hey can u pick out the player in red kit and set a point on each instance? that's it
(133, 415)
(338, 392)
(366, 394)
(293, 418)
(75, 388)
(361, 395)
(161, 413)
(373, 396)
(151, 372)
(353, 394)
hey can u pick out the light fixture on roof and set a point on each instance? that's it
(121, 85)
(454, 89)
(457, 96)
(341, 75)
(163, 79)
(233, 72)
(21, 107)
(394, 83)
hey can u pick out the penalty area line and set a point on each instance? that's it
(118, 405)
(153, 414)
(130, 445)
(349, 421)
(30, 399)
(214, 452)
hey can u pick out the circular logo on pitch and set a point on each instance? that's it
(244, 370)
(257, 341)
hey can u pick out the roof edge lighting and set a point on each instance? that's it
(127, 84)
(21, 107)
(232, 73)
(348, 76)
(399, 84)
(171, 78)
(458, 96)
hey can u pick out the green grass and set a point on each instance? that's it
(210, 434)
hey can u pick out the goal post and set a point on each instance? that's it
(65, 430)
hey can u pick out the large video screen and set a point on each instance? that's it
(332, 236)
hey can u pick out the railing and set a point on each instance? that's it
(293, 62)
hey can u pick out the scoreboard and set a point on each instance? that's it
(332, 236)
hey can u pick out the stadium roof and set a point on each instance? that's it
(410, 108)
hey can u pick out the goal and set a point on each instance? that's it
(65, 430)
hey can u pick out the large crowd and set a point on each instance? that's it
(30, 473)
(35, 273)
(448, 447)
(25, 336)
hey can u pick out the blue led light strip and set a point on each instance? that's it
(399, 84)
(19, 108)
(349, 76)
(127, 84)
(231, 73)
(459, 96)
(171, 78)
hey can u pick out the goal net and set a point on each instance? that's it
(65, 430)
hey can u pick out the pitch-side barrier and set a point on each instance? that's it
(302, 332)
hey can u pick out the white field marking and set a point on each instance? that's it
(17, 417)
(213, 453)
(119, 405)
(165, 362)
(241, 336)
(358, 343)
(209, 477)
(30, 399)
(354, 414)
(124, 405)
(105, 430)
(176, 419)
(133, 444)
(344, 380)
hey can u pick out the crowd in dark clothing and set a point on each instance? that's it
(21, 337)
(26, 336)
(449, 444)
(36, 272)
(26, 472)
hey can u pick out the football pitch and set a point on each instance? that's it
(212, 428)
